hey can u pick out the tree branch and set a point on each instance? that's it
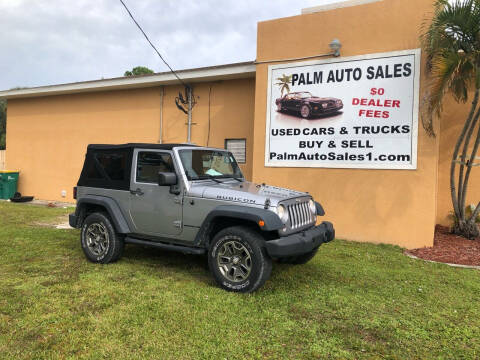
(476, 212)
(473, 123)
(455, 155)
(471, 161)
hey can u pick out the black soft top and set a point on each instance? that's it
(135, 145)
(109, 166)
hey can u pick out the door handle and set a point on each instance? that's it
(136, 192)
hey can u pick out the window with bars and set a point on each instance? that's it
(238, 147)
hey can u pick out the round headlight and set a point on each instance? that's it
(282, 213)
(313, 207)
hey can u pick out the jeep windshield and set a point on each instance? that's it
(204, 164)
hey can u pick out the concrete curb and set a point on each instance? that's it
(438, 262)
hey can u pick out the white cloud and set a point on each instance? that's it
(52, 41)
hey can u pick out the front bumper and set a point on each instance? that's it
(302, 242)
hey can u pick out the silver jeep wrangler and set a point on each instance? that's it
(194, 200)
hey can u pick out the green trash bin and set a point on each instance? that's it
(8, 183)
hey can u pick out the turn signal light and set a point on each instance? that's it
(261, 223)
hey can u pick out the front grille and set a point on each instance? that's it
(299, 215)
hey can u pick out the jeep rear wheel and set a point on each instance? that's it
(305, 111)
(100, 242)
(238, 261)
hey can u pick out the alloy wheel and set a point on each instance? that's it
(234, 261)
(97, 239)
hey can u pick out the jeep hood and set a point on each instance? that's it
(245, 192)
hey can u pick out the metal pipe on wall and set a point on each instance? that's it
(189, 130)
(161, 115)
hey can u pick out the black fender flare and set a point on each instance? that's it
(271, 220)
(119, 222)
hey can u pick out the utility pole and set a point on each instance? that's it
(186, 104)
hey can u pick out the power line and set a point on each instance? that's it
(153, 46)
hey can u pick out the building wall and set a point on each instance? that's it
(381, 206)
(48, 136)
(2, 159)
(229, 115)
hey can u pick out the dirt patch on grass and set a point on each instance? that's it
(450, 248)
(60, 222)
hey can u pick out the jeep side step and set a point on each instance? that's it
(160, 245)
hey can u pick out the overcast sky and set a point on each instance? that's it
(46, 42)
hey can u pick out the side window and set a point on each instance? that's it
(107, 166)
(113, 164)
(149, 164)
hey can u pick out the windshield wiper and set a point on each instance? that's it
(210, 177)
(238, 179)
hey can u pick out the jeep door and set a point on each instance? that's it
(154, 210)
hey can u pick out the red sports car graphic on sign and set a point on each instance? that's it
(307, 105)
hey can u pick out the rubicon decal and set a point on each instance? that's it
(236, 198)
(359, 112)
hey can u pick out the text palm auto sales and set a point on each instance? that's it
(355, 74)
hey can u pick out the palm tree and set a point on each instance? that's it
(452, 44)
(284, 83)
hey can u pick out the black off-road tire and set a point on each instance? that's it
(299, 259)
(113, 251)
(248, 242)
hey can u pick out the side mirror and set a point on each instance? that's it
(167, 179)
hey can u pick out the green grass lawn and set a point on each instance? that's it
(351, 301)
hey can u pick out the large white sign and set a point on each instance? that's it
(358, 112)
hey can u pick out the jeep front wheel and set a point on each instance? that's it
(238, 261)
(100, 242)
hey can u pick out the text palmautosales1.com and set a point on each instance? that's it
(334, 156)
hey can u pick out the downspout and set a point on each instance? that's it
(189, 130)
(160, 141)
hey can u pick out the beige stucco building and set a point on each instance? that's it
(49, 127)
